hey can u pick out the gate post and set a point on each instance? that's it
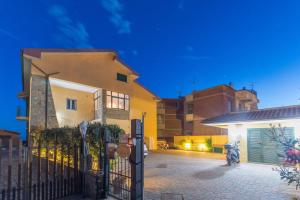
(137, 160)
(105, 183)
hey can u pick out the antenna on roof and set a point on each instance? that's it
(252, 85)
(194, 83)
(179, 92)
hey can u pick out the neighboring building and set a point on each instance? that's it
(5, 135)
(170, 118)
(84, 84)
(252, 130)
(188, 112)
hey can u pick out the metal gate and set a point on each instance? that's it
(262, 148)
(124, 172)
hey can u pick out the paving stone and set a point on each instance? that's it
(200, 178)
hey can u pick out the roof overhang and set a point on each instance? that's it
(72, 85)
(267, 121)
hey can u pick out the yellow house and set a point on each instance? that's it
(84, 84)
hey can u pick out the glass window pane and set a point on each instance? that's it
(108, 101)
(121, 95)
(68, 103)
(115, 94)
(121, 104)
(74, 104)
(115, 102)
(126, 104)
(126, 96)
(108, 92)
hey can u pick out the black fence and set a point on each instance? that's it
(46, 172)
(39, 173)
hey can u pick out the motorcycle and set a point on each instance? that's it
(233, 153)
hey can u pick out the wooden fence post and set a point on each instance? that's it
(61, 170)
(9, 169)
(47, 173)
(68, 170)
(0, 158)
(137, 160)
(19, 169)
(30, 170)
(105, 165)
(54, 171)
(39, 171)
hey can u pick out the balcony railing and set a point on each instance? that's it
(21, 114)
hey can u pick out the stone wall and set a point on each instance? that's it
(37, 104)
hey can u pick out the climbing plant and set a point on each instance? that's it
(69, 136)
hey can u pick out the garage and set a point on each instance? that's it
(251, 130)
(262, 148)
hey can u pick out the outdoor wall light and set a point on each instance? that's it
(201, 147)
(187, 146)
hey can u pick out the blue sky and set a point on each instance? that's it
(176, 46)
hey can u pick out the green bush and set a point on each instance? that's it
(208, 143)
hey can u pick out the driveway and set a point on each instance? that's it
(198, 177)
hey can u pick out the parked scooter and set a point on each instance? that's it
(233, 153)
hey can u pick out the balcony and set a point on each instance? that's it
(22, 95)
(21, 114)
(189, 117)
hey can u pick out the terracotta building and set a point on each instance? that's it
(183, 115)
(5, 135)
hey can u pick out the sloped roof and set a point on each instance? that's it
(37, 52)
(278, 113)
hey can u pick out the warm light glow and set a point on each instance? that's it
(187, 146)
(201, 147)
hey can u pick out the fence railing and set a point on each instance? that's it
(49, 172)
(40, 173)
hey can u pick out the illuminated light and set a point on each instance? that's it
(187, 146)
(201, 147)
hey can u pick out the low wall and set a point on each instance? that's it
(197, 141)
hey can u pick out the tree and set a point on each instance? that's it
(289, 170)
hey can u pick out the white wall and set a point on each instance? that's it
(238, 132)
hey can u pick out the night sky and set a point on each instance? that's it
(176, 45)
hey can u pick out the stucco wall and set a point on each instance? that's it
(85, 106)
(142, 101)
(123, 124)
(217, 140)
(99, 70)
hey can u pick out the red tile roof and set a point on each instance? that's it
(278, 113)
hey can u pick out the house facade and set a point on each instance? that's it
(63, 87)
(252, 131)
(184, 115)
(6, 135)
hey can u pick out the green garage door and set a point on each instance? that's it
(261, 148)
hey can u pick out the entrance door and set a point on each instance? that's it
(262, 148)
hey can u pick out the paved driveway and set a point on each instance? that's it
(202, 178)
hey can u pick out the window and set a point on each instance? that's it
(230, 106)
(117, 100)
(160, 119)
(98, 100)
(190, 108)
(122, 77)
(71, 104)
